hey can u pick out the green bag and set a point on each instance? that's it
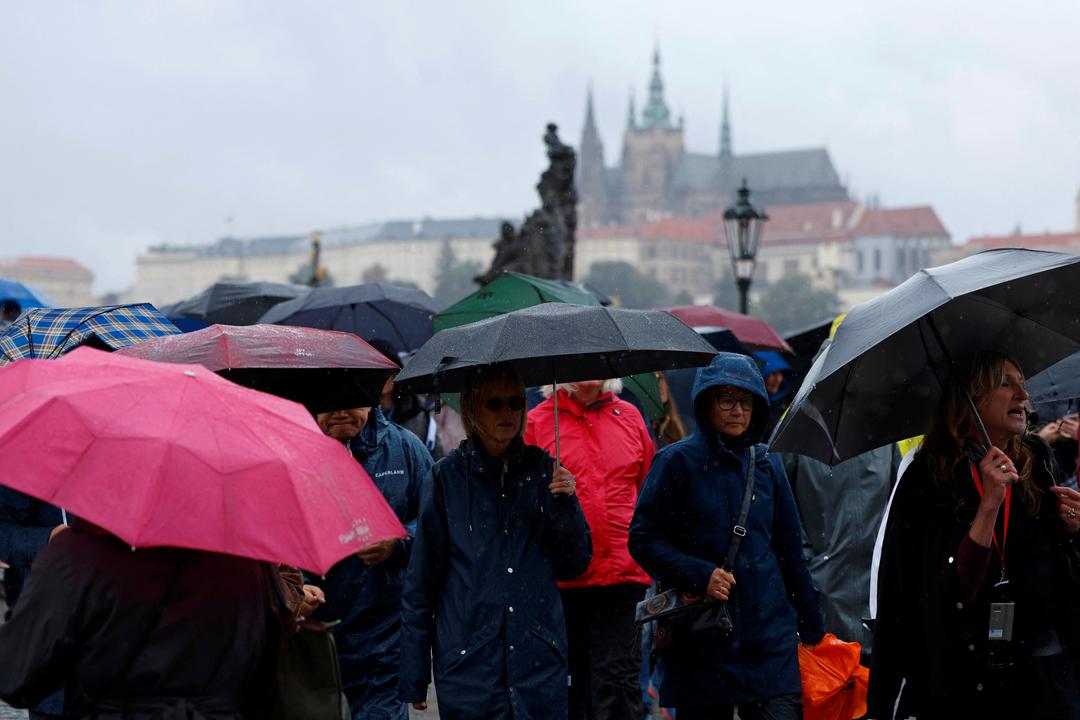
(308, 676)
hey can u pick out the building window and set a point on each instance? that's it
(877, 260)
(858, 262)
(791, 267)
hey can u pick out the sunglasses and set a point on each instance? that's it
(495, 404)
(728, 402)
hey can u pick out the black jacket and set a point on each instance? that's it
(480, 594)
(89, 618)
(927, 636)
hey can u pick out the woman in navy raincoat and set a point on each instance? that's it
(498, 525)
(680, 534)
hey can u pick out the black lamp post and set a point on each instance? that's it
(743, 224)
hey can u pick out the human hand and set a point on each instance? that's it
(378, 552)
(419, 706)
(562, 482)
(720, 584)
(1067, 427)
(1068, 507)
(997, 472)
(56, 531)
(1050, 431)
(313, 598)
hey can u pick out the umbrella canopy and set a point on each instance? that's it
(322, 369)
(753, 332)
(172, 455)
(376, 311)
(511, 291)
(558, 342)
(880, 378)
(1057, 383)
(235, 303)
(51, 333)
(25, 295)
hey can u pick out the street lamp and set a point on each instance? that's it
(743, 224)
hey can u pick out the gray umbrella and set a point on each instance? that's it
(1059, 382)
(557, 342)
(235, 303)
(880, 379)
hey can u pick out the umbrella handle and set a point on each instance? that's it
(961, 381)
(555, 394)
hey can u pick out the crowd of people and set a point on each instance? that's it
(532, 541)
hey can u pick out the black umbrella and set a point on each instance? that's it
(880, 379)
(235, 303)
(375, 311)
(1059, 382)
(557, 342)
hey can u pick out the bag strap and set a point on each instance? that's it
(739, 531)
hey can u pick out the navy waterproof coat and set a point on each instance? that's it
(367, 599)
(480, 595)
(680, 533)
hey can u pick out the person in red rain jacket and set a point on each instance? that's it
(605, 444)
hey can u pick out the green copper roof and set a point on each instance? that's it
(656, 113)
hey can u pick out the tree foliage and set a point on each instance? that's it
(626, 286)
(453, 279)
(793, 302)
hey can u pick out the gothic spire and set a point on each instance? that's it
(590, 122)
(656, 113)
(725, 130)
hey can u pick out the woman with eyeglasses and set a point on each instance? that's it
(499, 525)
(683, 525)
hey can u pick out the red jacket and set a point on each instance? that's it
(608, 449)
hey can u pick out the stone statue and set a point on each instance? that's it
(544, 246)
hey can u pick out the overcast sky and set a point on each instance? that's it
(126, 124)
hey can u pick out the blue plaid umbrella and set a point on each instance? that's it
(51, 333)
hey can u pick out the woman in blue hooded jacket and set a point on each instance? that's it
(499, 525)
(680, 534)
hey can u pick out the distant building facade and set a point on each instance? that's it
(657, 177)
(65, 281)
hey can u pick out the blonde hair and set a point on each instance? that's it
(953, 424)
(611, 385)
(475, 381)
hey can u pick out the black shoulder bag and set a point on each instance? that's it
(678, 616)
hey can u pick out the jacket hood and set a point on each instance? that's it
(737, 371)
(372, 434)
(772, 361)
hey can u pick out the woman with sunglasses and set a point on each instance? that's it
(499, 525)
(683, 525)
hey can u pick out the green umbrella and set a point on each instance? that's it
(512, 291)
(508, 292)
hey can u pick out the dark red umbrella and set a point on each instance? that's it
(173, 455)
(754, 332)
(322, 369)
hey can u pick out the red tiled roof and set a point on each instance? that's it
(1043, 241)
(905, 222)
(43, 262)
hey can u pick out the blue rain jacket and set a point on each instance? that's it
(481, 596)
(367, 599)
(680, 533)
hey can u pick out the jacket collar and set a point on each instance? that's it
(568, 404)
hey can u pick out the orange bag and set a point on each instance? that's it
(833, 681)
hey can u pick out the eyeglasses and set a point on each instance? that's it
(495, 404)
(728, 402)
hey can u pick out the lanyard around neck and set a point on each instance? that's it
(1000, 547)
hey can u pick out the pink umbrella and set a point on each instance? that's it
(753, 332)
(173, 455)
(323, 369)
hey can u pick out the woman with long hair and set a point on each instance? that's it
(975, 593)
